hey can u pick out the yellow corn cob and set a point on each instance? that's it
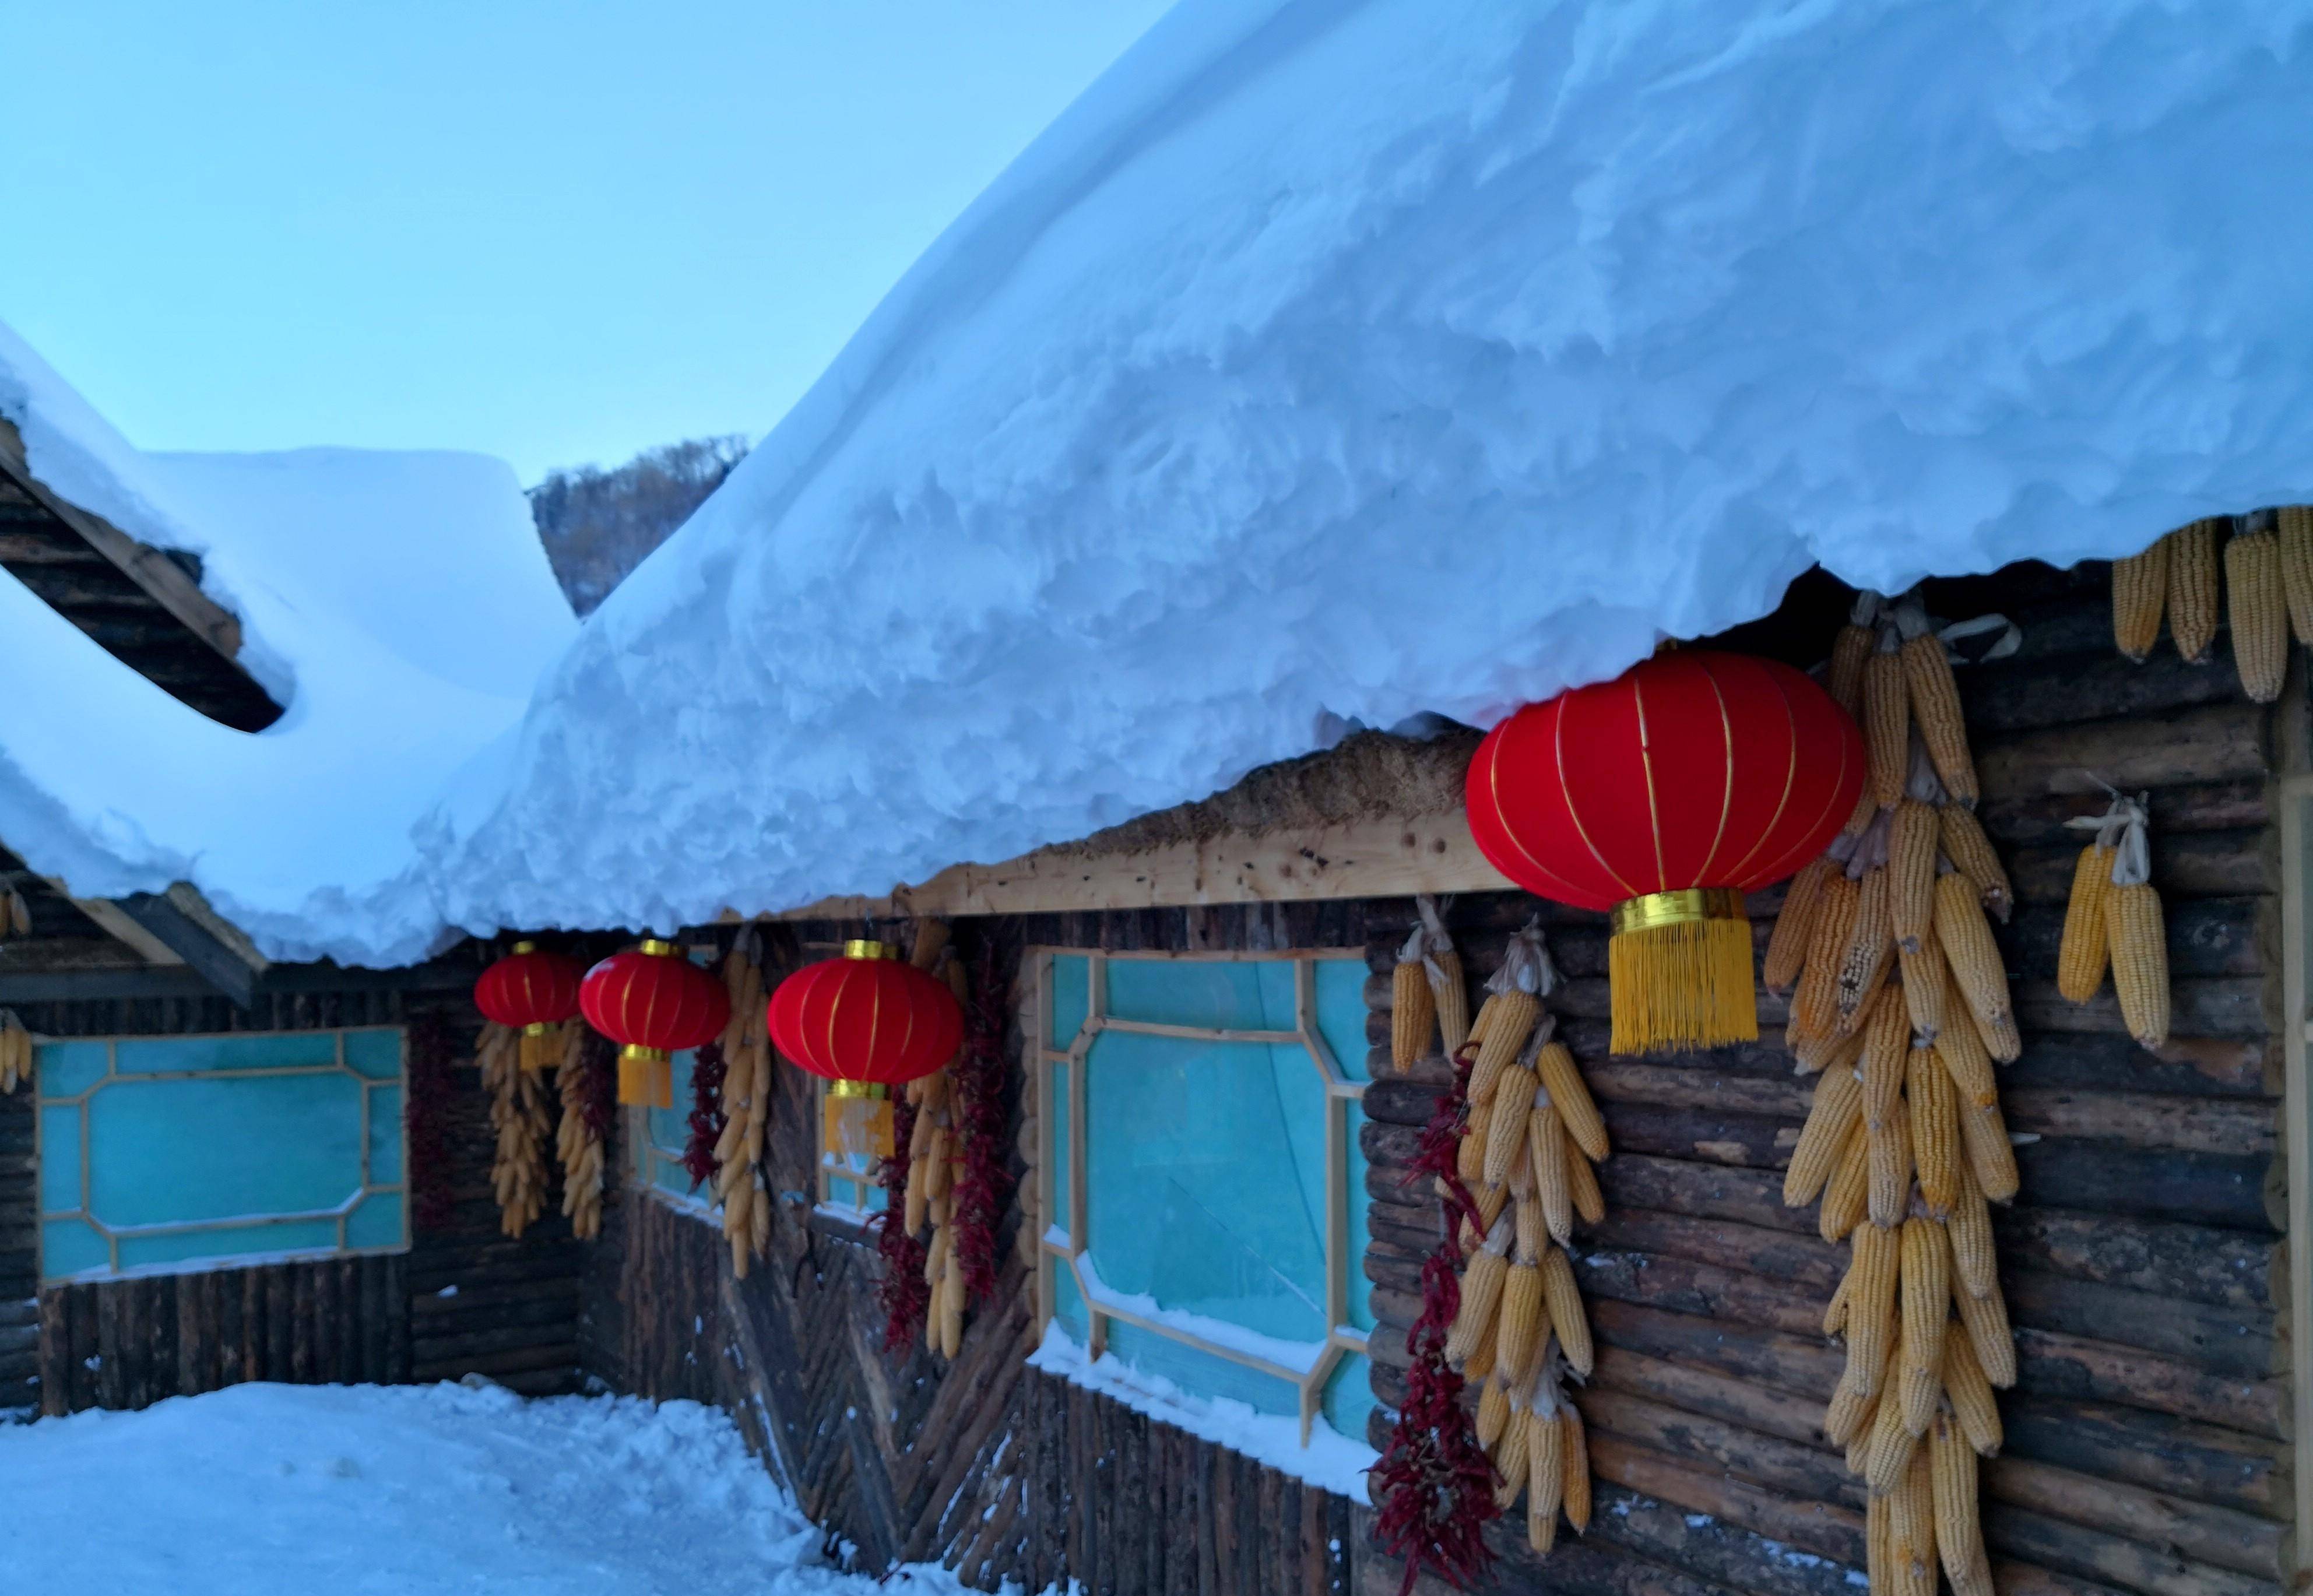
(1589, 1202)
(1990, 1157)
(1835, 1317)
(2139, 961)
(1890, 1144)
(1564, 1084)
(2296, 535)
(1970, 852)
(1912, 1528)
(1959, 1538)
(1870, 950)
(1470, 1152)
(1787, 944)
(2139, 589)
(1532, 1229)
(1850, 650)
(1450, 996)
(1413, 1015)
(1912, 839)
(1935, 1130)
(1888, 1455)
(1849, 1412)
(1520, 1179)
(1935, 710)
(1574, 1446)
(1815, 1006)
(1505, 1119)
(1961, 1049)
(1863, 1381)
(1989, 1337)
(1493, 1411)
(1545, 1479)
(1810, 1056)
(1509, 1017)
(1553, 1183)
(1875, 1264)
(2085, 951)
(1481, 1361)
(1837, 1108)
(1974, 1262)
(1975, 960)
(1885, 1045)
(1481, 1290)
(1859, 1450)
(1877, 1576)
(1519, 1327)
(1487, 1010)
(1846, 1199)
(1510, 1463)
(1490, 1200)
(1566, 1315)
(1970, 1394)
(1927, 980)
(2193, 588)
(1927, 1304)
(1887, 727)
(2257, 613)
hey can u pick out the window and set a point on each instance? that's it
(849, 1187)
(1199, 1173)
(158, 1152)
(663, 1135)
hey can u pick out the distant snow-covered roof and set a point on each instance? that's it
(1347, 361)
(399, 604)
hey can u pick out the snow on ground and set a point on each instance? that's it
(1355, 360)
(271, 1490)
(398, 603)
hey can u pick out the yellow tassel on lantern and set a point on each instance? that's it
(1679, 966)
(540, 1045)
(646, 1077)
(856, 1122)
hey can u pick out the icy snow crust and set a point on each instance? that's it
(1365, 359)
(398, 603)
(272, 1490)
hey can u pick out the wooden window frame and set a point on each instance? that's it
(2296, 797)
(113, 1234)
(1057, 1200)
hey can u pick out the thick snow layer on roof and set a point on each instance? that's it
(398, 603)
(1343, 360)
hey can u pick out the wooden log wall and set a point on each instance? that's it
(463, 1301)
(986, 1466)
(2148, 1435)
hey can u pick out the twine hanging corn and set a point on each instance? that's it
(2257, 613)
(1505, 1122)
(1988, 1336)
(1574, 1443)
(2193, 588)
(518, 1115)
(1959, 1535)
(1442, 967)
(739, 1185)
(1413, 1009)
(2113, 894)
(1934, 699)
(2140, 591)
(2295, 533)
(1850, 650)
(1549, 1151)
(577, 1145)
(1512, 1009)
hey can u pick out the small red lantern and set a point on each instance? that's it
(532, 992)
(865, 1022)
(653, 1002)
(1664, 795)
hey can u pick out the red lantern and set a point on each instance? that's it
(530, 992)
(653, 1002)
(1664, 795)
(866, 1022)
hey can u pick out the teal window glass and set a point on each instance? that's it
(666, 1132)
(171, 1151)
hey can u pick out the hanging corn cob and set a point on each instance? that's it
(2193, 588)
(746, 1101)
(2267, 564)
(518, 1114)
(2294, 529)
(578, 1141)
(2257, 613)
(15, 1051)
(1904, 1143)
(2114, 921)
(2140, 592)
(16, 916)
(1442, 967)
(1855, 644)
(1413, 1007)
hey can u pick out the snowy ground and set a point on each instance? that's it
(270, 1490)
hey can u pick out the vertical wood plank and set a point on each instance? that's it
(80, 1363)
(305, 1280)
(254, 1342)
(397, 1318)
(280, 1322)
(159, 1302)
(375, 1304)
(232, 1356)
(191, 1335)
(111, 1352)
(55, 1351)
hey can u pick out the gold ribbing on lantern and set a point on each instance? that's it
(1679, 965)
(646, 1074)
(541, 1043)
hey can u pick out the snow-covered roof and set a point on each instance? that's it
(399, 604)
(1334, 362)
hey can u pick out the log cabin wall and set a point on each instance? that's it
(463, 1300)
(2147, 1438)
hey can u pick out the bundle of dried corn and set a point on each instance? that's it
(1905, 1143)
(1526, 1157)
(16, 1051)
(2268, 592)
(746, 1094)
(2113, 922)
(577, 1145)
(518, 1114)
(1428, 996)
(16, 916)
(935, 1158)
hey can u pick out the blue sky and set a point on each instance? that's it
(558, 232)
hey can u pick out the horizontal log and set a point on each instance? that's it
(1809, 1472)
(2184, 865)
(492, 1293)
(1673, 1185)
(1803, 1366)
(2188, 1066)
(2219, 1536)
(1713, 1543)
(1401, 1102)
(1806, 1262)
(539, 1315)
(2053, 1363)
(498, 1364)
(2014, 697)
(2198, 1006)
(438, 1349)
(1727, 1397)
(1816, 1527)
(2235, 1342)
(2227, 1125)
(2190, 1187)
(2130, 1565)
(1389, 1146)
(2216, 742)
(1750, 1140)
(2038, 820)
(2193, 1461)
(1778, 1096)
(1679, 1286)
(2222, 1268)
(2011, 1578)
(2212, 936)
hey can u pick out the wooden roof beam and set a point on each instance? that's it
(182, 921)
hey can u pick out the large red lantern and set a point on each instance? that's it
(653, 1002)
(1664, 796)
(867, 1023)
(530, 992)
